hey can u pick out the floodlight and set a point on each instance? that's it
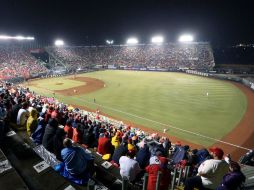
(5, 37)
(157, 39)
(186, 38)
(132, 41)
(19, 37)
(30, 38)
(59, 43)
(109, 42)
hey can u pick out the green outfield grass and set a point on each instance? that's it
(156, 98)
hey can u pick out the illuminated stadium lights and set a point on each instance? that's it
(30, 38)
(20, 37)
(186, 38)
(109, 42)
(132, 41)
(59, 43)
(5, 37)
(157, 39)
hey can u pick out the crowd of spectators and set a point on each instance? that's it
(67, 132)
(16, 61)
(192, 56)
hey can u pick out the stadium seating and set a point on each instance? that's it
(16, 61)
(192, 56)
(248, 171)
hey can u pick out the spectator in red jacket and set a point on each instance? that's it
(56, 114)
(104, 144)
(166, 173)
(77, 134)
(158, 164)
(48, 114)
(68, 129)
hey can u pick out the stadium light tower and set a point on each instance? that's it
(157, 40)
(5, 37)
(132, 41)
(59, 43)
(109, 42)
(186, 38)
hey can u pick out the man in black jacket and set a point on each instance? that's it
(49, 135)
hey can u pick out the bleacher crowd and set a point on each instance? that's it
(192, 56)
(16, 61)
(68, 132)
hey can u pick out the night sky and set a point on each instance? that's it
(91, 22)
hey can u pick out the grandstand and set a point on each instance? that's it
(88, 128)
(17, 61)
(172, 56)
(21, 61)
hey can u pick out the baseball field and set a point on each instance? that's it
(194, 109)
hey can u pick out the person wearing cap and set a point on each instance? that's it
(234, 179)
(129, 167)
(210, 172)
(158, 164)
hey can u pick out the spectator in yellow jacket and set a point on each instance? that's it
(115, 141)
(32, 122)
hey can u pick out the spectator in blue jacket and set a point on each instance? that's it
(37, 135)
(143, 155)
(77, 163)
(75, 158)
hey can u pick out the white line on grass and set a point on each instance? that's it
(167, 125)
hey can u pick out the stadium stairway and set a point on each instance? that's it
(9, 178)
(248, 171)
(35, 172)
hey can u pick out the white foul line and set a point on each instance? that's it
(169, 126)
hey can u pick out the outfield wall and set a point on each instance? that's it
(244, 81)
